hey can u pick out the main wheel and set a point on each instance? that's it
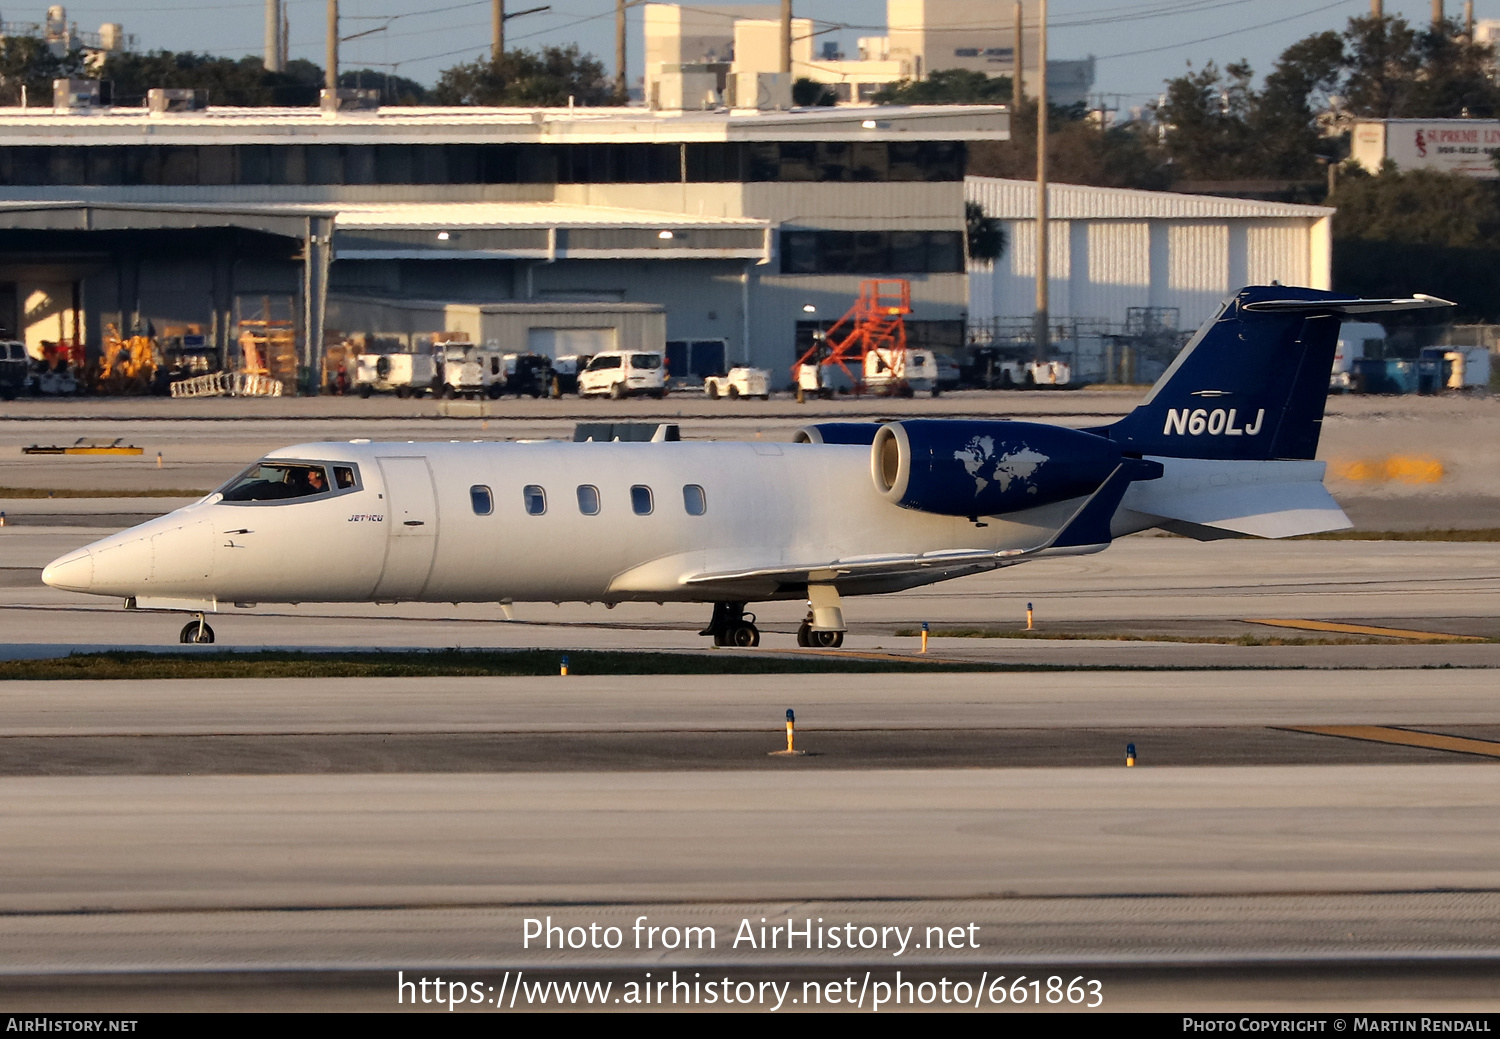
(191, 633)
(804, 634)
(745, 635)
(826, 639)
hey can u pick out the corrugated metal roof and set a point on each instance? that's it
(1016, 200)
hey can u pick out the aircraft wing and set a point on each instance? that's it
(1086, 529)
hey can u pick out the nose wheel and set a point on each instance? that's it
(806, 636)
(196, 632)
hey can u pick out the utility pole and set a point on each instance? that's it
(331, 73)
(1041, 337)
(1437, 14)
(622, 84)
(1377, 9)
(1018, 88)
(786, 36)
(1469, 20)
(497, 29)
(275, 57)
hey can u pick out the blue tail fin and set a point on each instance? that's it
(1251, 384)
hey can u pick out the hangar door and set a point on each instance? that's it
(568, 342)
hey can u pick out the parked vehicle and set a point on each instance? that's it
(405, 375)
(527, 374)
(901, 373)
(624, 373)
(15, 369)
(565, 371)
(470, 370)
(740, 382)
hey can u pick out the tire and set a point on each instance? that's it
(804, 634)
(713, 391)
(734, 393)
(1006, 382)
(365, 391)
(617, 391)
(765, 396)
(189, 634)
(745, 636)
(936, 392)
(659, 394)
(826, 639)
(493, 393)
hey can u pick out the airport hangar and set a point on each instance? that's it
(1111, 249)
(589, 228)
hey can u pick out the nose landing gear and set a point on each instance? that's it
(196, 631)
(732, 626)
(806, 636)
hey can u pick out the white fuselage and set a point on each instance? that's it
(411, 528)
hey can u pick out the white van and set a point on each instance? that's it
(624, 373)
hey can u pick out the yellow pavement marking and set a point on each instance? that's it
(1364, 629)
(1404, 737)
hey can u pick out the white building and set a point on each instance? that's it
(922, 37)
(1112, 249)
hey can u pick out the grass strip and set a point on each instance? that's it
(1477, 534)
(73, 492)
(460, 662)
(1211, 640)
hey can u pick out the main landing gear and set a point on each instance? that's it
(732, 626)
(197, 631)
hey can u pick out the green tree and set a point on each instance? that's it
(229, 81)
(1079, 151)
(948, 87)
(1206, 118)
(1419, 230)
(28, 61)
(986, 235)
(807, 93)
(394, 90)
(547, 78)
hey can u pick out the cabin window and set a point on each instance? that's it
(640, 499)
(536, 499)
(482, 500)
(588, 499)
(694, 500)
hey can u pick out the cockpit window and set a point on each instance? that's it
(280, 481)
(343, 477)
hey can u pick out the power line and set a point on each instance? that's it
(1220, 36)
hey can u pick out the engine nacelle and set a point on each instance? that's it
(967, 468)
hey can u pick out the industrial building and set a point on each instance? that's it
(739, 230)
(1113, 249)
(922, 37)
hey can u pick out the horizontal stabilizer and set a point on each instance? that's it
(1276, 499)
(1346, 306)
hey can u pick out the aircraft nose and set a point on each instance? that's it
(73, 572)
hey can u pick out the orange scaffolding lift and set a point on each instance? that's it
(877, 321)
